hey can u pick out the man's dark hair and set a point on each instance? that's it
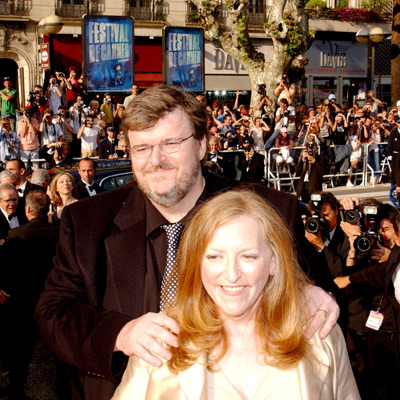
(39, 203)
(387, 211)
(87, 159)
(146, 109)
(20, 163)
(329, 199)
(284, 101)
(135, 84)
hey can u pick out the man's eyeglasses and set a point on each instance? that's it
(167, 146)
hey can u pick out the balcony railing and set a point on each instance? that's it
(146, 10)
(77, 8)
(15, 7)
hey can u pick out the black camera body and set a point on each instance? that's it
(370, 236)
(261, 89)
(317, 223)
(350, 216)
(310, 148)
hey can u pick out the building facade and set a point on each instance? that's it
(335, 58)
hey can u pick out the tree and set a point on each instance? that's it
(225, 24)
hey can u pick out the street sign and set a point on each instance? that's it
(44, 56)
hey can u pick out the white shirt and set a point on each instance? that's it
(89, 138)
(14, 223)
(396, 283)
(51, 134)
(22, 187)
(91, 192)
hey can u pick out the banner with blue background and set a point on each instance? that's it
(183, 52)
(108, 53)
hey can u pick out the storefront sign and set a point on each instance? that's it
(183, 52)
(45, 56)
(330, 58)
(107, 53)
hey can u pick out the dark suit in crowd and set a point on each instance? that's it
(114, 276)
(106, 148)
(83, 192)
(26, 261)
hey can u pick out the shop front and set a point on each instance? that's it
(337, 67)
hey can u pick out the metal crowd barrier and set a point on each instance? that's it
(366, 172)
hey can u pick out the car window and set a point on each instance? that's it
(113, 182)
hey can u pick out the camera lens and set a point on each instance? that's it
(352, 217)
(312, 225)
(363, 244)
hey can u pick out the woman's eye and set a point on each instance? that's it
(250, 256)
(212, 257)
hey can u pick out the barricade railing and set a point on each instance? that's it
(365, 172)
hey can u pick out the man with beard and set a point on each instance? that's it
(102, 299)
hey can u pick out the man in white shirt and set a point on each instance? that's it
(90, 138)
(135, 92)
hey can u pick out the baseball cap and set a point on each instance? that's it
(398, 121)
(6, 78)
(332, 97)
(398, 103)
(284, 129)
(110, 128)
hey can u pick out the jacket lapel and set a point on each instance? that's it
(126, 258)
(312, 374)
(193, 380)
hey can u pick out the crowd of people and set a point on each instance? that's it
(244, 309)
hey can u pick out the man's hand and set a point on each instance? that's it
(380, 253)
(3, 296)
(324, 311)
(342, 281)
(348, 203)
(142, 337)
(315, 240)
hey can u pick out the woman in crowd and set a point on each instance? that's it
(284, 142)
(355, 155)
(241, 314)
(258, 131)
(63, 193)
(374, 140)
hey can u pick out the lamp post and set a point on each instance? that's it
(373, 37)
(50, 25)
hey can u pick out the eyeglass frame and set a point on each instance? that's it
(163, 142)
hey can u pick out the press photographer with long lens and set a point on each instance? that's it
(311, 170)
(37, 103)
(382, 279)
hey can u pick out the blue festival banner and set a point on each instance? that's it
(183, 52)
(108, 56)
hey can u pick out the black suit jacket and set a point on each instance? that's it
(4, 225)
(31, 186)
(106, 148)
(82, 191)
(30, 249)
(98, 282)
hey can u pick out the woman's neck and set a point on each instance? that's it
(67, 199)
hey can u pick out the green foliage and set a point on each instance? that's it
(377, 5)
(296, 40)
(312, 4)
(343, 4)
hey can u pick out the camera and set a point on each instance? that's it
(284, 77)
(34, 93)
(53, 81)
(350, 216)
(26, 114)
(61, 75)
(316, 223)
(247, 148)
(261, 89)
(286, 113)
(370, 236)
(310, 148)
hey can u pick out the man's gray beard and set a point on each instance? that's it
(181, 188)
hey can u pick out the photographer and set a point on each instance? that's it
(107, 107)
(382, 280)
(65, 123)
(264, 105)
(37, 103)
(285, 90)
(90, 138)
(392, 150)
(332, 244)
(54, 93)
(8, 101)
(310, 169)
(285, 116)
(339, 129)
(51, 136)
(332, 102)
(29, 143)
(375, 102)
(8, 141)
(251, 165)
(77, 116)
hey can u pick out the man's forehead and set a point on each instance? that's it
(8, 194)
